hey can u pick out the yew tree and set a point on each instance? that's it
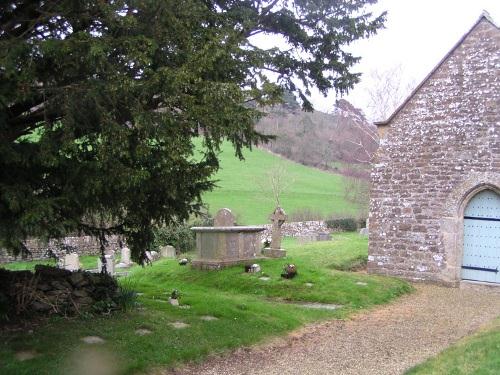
(100, 102)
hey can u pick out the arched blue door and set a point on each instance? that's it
(481, 261)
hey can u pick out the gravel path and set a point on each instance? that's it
(386, 340)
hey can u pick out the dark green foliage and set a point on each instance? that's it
(345, 224)
(179, 235)
(100, 101)
(361, 222)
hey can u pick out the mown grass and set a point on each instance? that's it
(477, 354)
(243, 186)
(248, 310)
(88, 262)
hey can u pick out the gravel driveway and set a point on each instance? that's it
(386, 340)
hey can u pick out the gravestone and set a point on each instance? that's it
(167, 251)
(125, 260)
(69, 262)
(224, 218)
(365, 231)
(278, 218)
(323, 236)
(125, 255)
(110, 264)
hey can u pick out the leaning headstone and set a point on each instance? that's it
(224, 218)
(167, 251)
(110, 264)
(278, 218)
(70, 262)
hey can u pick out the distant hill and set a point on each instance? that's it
(338, 141)
(243, 186)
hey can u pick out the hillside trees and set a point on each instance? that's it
(100, 101)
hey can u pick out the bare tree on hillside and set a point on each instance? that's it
(386, 91)
(277, 181)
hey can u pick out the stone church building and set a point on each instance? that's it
(435, 203)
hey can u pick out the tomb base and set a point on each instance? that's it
(273, 253)
(212, 264)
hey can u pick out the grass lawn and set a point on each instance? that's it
(88, 262)
(247, 309)
(243, 187)
(476, 354)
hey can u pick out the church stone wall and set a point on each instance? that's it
(442, 144)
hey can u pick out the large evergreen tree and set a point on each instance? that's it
(100, 101)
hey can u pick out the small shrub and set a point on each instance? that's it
(346, 224)
(126, 297)
(176, 234)
(361, 222)
(104, 307)
(175, 294)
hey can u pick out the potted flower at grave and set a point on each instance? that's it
(266, 242)
(174, 297)
(289, 271)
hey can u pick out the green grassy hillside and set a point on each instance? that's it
(243, 187)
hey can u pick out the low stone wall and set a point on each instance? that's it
(298, 229)
(83, 245)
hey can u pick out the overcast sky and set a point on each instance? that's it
(417, 36)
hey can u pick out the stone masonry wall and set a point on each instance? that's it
(83, 245)
(298, 229)
(445, 137)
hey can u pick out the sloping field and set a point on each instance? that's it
(244, 187)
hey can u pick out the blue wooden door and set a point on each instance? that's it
(481, 260)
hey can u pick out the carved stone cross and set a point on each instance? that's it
(278, 218)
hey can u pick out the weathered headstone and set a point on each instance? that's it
(278, 218)
(224, 218)
(125, 255)
(70, 262)
(167, 251)
(110, 264)
(365, 231)
(323, 236)
(125, 260)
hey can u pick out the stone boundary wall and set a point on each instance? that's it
(83, 245)
(298, 229)
(87, 245)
